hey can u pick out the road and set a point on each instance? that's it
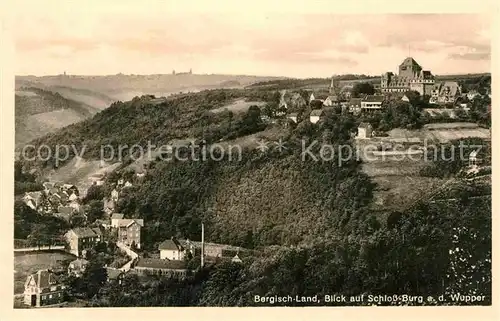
(130, 253)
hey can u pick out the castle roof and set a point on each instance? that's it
(409, 61)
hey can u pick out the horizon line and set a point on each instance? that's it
(225, 74)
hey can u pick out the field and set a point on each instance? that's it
(398, 191)
(397, 176)
(238, 106)
(26, 264)
(435, 132)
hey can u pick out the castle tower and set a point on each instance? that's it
(190, 71)
(408, 68)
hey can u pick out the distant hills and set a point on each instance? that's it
(44, 104)
(318, 83)
(125, 87)
(39, 112)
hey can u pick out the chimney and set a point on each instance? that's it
(202, 245)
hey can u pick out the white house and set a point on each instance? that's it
(293, 117)
(331, 101)
(171, 250)
(127, 184)
(73, 197)
(365, 130)
(315, 115)
(33, 199)
(114, 195)
(236, 259)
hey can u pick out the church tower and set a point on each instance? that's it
(332, 89)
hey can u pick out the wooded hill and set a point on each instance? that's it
(311, 220)
(39, 111)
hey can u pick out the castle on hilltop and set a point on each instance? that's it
(411, 77)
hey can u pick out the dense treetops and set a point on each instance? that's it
(311, 221)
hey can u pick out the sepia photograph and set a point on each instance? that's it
(182, 158)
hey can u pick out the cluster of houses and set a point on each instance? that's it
(45, 288)
(411, 77)
(56, 198)
(110, 202)
(329, 101)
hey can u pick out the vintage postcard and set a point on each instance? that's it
(197, 157)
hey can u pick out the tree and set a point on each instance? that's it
(362, 88)
(94, 192)
(94, 210)
(39, 236)
(94, 277)
(316, 104)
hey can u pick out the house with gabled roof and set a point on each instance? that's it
(43, 288)
(114, 195)
(129, 230)
(171, 249)
(315, 115)
(292, 116)
(355, 105)
(445, 92)
(81, 239)
(33, 199)
(365, 130)
(332, 101)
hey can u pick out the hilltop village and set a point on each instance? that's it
(105, 250)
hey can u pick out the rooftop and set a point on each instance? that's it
(316, 112)
(374, 98)
(171, 244)
(116, 216)
(45, 279)
(161, 264)
(126, 222)
(84, 232)
(113, 273)
(364, 125)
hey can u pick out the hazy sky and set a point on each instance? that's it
(144, 39)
